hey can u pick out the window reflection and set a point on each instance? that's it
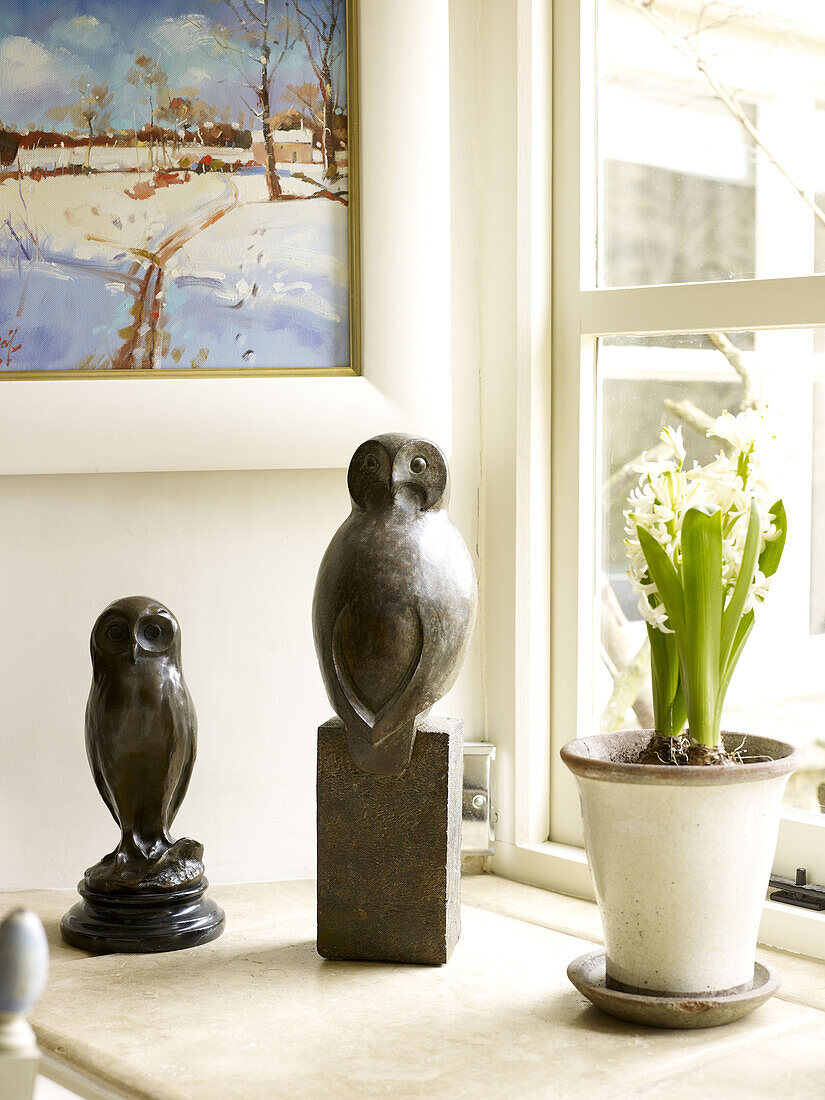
(710, 140)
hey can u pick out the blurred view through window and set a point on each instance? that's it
(711, 166)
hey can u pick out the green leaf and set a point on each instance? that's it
(769, 561)
(678, 714)
(664, 576)
(741, 636)
(733, 612)
(699, 641)
(668, 697)
(664, 669)
(771, 556)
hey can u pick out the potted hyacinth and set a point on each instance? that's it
(681, 821)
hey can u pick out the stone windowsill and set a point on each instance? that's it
(257, 1013)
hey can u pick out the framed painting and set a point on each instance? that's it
(178, 188)
(238, 415)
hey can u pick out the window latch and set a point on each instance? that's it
(800, 892)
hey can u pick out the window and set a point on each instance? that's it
(688, 137)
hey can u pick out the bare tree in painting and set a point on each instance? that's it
(146, 73)
(199, 113)
(307, 98)
(172, 110)
(91, 111)
(184, 111)
(322, 31)
(256, 42)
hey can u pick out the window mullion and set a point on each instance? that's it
(740, 305)
(573, 396)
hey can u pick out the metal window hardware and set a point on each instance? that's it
(476, 809)
(800, 892)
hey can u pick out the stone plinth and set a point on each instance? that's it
(389, 850)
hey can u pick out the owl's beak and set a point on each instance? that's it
(407, 493)
(134, 648)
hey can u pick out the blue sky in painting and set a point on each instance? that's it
(47, 44)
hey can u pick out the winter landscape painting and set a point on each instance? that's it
(177, 186)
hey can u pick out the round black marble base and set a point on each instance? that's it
(106, 924)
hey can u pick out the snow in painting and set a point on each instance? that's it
(174, 185)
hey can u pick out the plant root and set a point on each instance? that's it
(680, 751)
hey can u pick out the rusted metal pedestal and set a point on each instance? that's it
(389, 850)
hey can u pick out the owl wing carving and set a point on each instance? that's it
(113, 725)
(186, 723)
(93, 750)
(376, 656)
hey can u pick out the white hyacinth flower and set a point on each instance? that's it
(743, 431)
(730, 482)
(673, 438)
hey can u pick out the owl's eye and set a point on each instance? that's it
(418, 465)
(155, 635)
(114, 636)
(371, 464)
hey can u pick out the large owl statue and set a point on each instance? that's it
(395, 600)
(140, 739)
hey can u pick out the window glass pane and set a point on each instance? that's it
(711, 140)
(778, 688)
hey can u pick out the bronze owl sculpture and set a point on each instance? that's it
(141, 732)
(149, 893)
(395, 600)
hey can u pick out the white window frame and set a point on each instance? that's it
(150, 423)
(561, 516)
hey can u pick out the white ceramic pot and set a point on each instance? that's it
(681, 858)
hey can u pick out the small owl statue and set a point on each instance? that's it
(140, 739)
(395, 600)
